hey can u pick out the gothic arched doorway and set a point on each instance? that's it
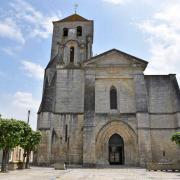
(116, 149)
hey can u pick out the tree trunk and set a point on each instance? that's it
(24, 156)
(27, 160)
(4, 160)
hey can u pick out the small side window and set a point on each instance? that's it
(113, 98)
(79, 31)
(65, 32)
(71, 54)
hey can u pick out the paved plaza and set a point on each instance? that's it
(39, 173)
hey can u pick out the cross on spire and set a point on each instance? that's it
(75, 8)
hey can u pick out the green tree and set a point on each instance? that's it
(27, 131)
(176, 138)
(11, 132)
(30, 143)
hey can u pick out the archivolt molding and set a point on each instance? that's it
(119, 127)
(72, 42)
(129, 137)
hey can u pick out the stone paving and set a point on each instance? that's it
(39, 173)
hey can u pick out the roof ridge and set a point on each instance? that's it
(73, 17)
(114, 49)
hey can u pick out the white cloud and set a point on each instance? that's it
(25, 100)
(22, 21)
(8, 50)
(33, 70)
(17, 105)
(11, 50)
(115, 2)
(9, 29)
(163, 36)
(40, 24)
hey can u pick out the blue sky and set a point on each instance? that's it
(148, 29)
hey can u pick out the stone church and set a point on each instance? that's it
(102, 110)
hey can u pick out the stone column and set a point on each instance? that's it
(89, 112)
(44, 149)
(144, 138)
(178, 121)
(89, 48)
(175, 99)
(143, 122)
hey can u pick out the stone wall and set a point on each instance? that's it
(70, 91)
(159, 94)
(59, 145)
(163, 149)
(125, 95)
(89, 158)
(163, 101)
(58, 38)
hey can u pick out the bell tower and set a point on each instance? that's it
(72, 40)
(61, 113)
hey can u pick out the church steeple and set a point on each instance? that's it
(72, 39)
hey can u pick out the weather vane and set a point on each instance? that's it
(75, 7)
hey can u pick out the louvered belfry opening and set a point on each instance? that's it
(65, 32)
(79, 31)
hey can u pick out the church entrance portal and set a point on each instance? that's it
(116, 150)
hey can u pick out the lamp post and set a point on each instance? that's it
(28, 116)
(68, 153)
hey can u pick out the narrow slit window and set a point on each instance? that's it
(71, 54)
(65, 32)
(164, 153)
(66, 133)
(113, 98)
(79, 31)
(53, 137)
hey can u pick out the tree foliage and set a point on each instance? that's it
(32, 141)
(14, 133)
(176, 138)
(29, 143)
(11, 132)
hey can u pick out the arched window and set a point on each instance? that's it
(113, 98)
(65, 32)
(71, 54)
(79, 31)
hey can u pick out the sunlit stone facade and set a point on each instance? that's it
(101, 110)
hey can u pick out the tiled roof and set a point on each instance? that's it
(74, 17)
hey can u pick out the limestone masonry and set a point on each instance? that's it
(101, 110)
